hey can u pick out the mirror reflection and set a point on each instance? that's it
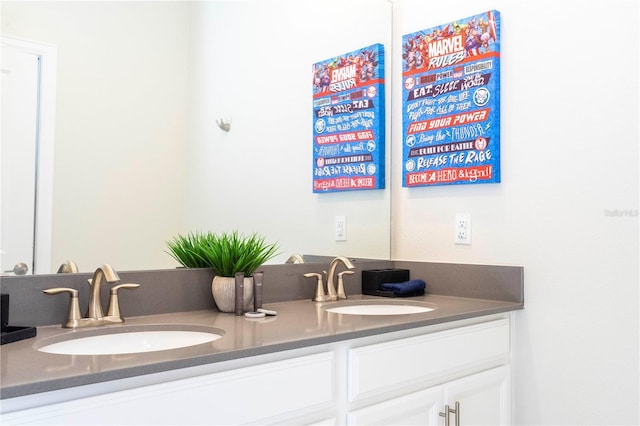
(139, 156)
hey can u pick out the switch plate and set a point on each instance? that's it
(462, 229)
(341, 228)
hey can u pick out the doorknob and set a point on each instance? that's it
(21, 268)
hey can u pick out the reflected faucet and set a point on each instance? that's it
(68, 267)
(331, 288)
(295, 258)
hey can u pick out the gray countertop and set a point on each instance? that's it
(302, 323)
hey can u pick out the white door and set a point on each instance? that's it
(18, 153)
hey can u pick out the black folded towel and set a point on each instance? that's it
(407, 287)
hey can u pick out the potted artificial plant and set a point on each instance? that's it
(226, 254)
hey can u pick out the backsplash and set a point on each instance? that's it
(180, 289)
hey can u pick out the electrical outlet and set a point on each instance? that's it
(341, 228)
(461, 220)
(462, 229)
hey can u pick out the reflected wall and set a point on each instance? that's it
(138, 155)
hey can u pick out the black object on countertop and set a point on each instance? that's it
(373, 279)
(4, 310)
(11, 333)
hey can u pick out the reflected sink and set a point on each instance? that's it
(129, 339)
(373, 307)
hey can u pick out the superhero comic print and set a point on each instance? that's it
(451, 103)
(348, 121)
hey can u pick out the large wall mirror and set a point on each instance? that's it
(139, 156)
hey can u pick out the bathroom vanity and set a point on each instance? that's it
(306, 365)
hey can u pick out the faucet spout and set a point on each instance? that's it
(295, 258)
(331, 288)
(68, 267)
(95, 307)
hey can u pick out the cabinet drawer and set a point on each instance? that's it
(385, 366)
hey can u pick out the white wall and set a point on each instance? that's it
(569, 145)
(252, 62)
(120, 126)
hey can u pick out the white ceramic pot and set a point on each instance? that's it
(224, 293)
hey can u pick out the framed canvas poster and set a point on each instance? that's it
(451, 103)
(349, 121)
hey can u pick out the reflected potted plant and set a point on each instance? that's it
(227, 254)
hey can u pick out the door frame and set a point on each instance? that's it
(48, 55)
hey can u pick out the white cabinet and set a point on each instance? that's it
(413, 380)
(402, 378)
(265, 393)
(483, 399)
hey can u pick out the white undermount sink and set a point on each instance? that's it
(372, 307)
(129, 339)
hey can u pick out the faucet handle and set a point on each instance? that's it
(73, 316)
(115, 288)
(113, 312)
(320, 296)
(341, 292)
(58, 290)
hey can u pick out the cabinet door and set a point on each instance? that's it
(418, 408)
(484, 398)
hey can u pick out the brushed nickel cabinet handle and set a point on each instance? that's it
(445, 414)
(456, 411)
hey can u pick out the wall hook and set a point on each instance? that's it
(224, 126)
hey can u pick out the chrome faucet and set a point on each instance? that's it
(95, 316)
(331, 288)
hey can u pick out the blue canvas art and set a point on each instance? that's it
(451, 103)
(348, 121)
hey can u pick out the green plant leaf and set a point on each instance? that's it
(226, 253)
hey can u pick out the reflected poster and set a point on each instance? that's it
(451, 103)
(348, 121)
